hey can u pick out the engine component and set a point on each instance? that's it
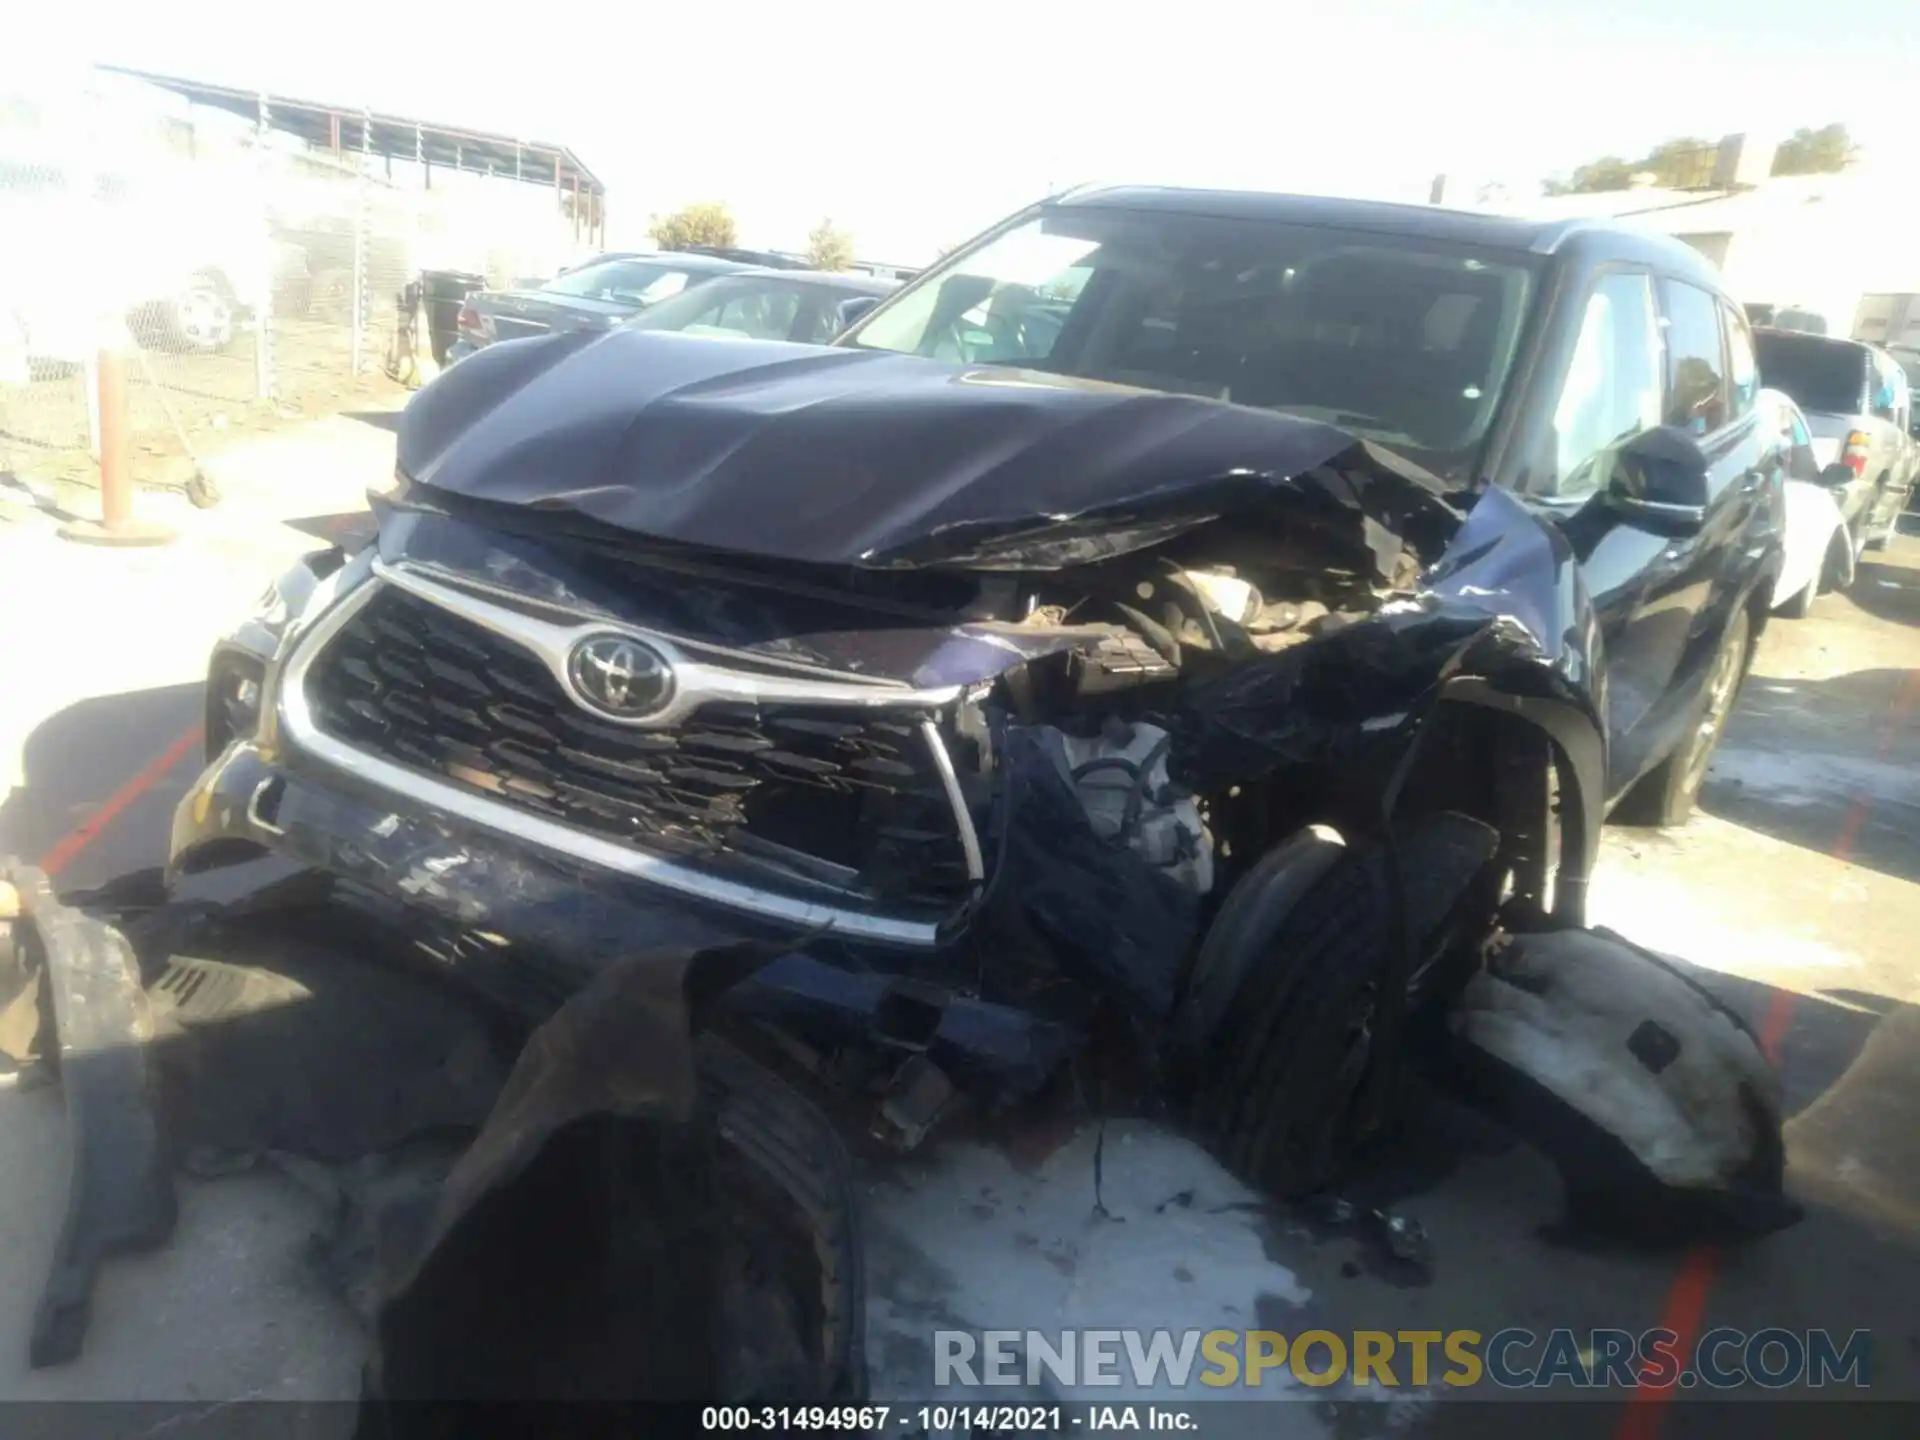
(919, 1094)
(1120, 776)
(1228, 595)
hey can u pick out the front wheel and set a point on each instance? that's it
(1277, 1026)
(1665, 795)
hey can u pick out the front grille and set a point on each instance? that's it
(794, 797)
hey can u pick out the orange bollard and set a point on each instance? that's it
(116, 525)
(116, 443)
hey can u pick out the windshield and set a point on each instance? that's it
(1399, 339)
(746, 308)
(628, 282)
(1818, 374)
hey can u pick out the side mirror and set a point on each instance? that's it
(1659, 481)
(1837, 476)
(852, 311)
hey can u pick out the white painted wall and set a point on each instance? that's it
(1816, 242)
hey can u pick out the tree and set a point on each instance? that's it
(828, 247)
(708, 223)
(1609, 172)
(1815, 152)
(1681, 164)
(1687, 162)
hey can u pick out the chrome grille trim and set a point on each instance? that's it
(550, 642)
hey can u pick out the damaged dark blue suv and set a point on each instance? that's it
(1204, 629)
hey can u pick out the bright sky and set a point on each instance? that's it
(916, 123)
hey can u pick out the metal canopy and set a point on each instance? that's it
(396, 137)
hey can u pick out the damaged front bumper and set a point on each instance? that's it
(529, 927)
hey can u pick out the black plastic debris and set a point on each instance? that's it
(79, 977)
(640, 1219)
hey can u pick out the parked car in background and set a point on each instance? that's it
(594, 296)
(761, 259)
(1858, 405)
(1826, 513)
(809, 307)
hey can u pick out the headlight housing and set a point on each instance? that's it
(237, 675)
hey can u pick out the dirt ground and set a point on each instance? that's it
(183, 405)
(1796, 890)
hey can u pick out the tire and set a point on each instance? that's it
(795, 1211)
(1255, 908)
(330, 296)
(1801, 605)
(1885, 537)
(1665, 795)
(200, 319)
(1276, 1079)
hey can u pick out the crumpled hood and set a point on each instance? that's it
(847, 456)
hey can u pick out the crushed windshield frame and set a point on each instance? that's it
(919, 319)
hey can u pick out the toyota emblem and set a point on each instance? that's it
(620, 676)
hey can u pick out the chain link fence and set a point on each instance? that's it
(251, 278)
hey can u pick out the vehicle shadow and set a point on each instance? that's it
(97, 799)
(1831, 765)
(1886, 590)
(379, 419)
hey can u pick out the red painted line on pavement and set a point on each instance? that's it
(64, 853)
(1685, 1308)
(1773, 1025)
(1687, 1298)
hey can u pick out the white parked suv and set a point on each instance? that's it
(1858, 405)
(179, 257)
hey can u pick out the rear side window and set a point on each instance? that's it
(1697, 390)
(1821, 375)
(1612, 389)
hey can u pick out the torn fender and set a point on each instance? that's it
(1652, 1097)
